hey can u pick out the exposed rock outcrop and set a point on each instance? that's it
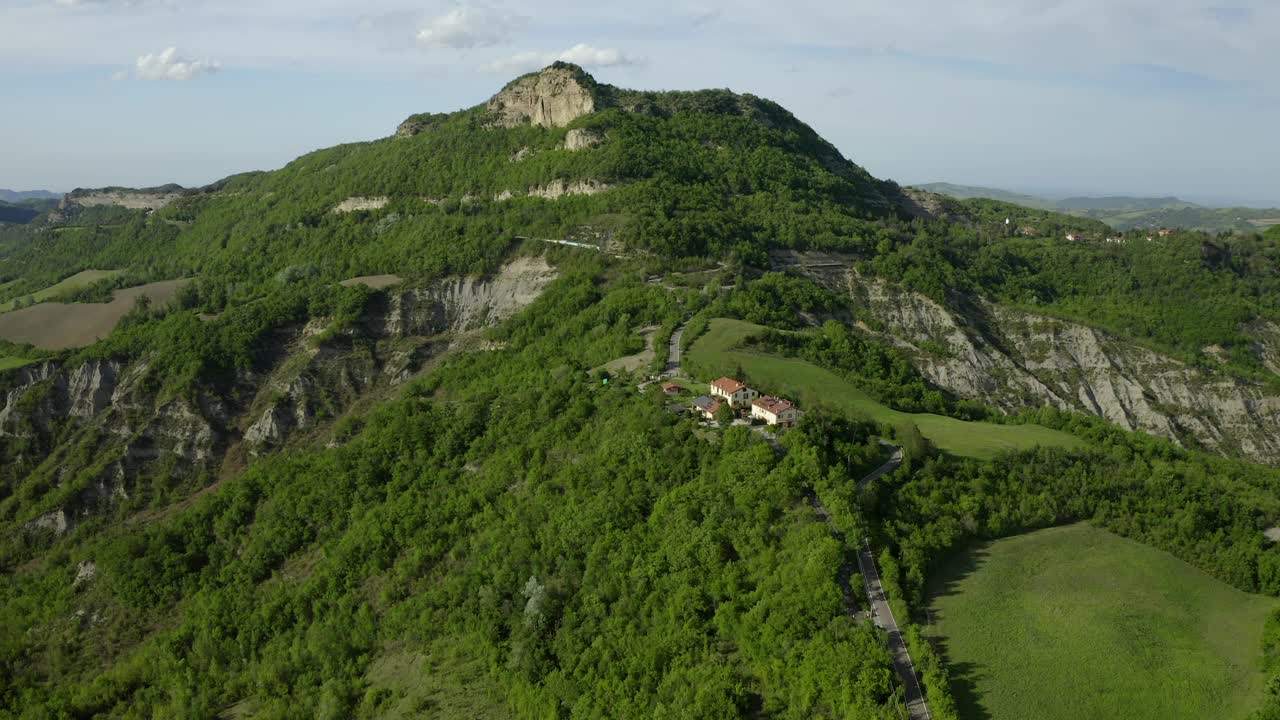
(559, 188)
(353, 204)
(321, 382)
(125, 198)
(582, 139)
(462, 304)
(553, 97)
(100, 433)
(1014, 360)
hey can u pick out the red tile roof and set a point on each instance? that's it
(669, 386)
(728, 385)
(777, 406)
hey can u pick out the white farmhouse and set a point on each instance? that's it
(774, 411)
(737, 393)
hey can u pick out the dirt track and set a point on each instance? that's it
(57, 326)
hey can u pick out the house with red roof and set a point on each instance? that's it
(774, 411)
(736, 392)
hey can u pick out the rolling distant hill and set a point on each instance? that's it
(966, 192)
(17, 196)
(1124, 212)
(1122, 202)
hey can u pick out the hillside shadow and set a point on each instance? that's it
(954, 568)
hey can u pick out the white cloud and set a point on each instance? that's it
(166, 65)
(580, 54)
(468, 27)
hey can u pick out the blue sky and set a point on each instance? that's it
(1081, 96)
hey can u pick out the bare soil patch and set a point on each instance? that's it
(57, 326)
(374, 282)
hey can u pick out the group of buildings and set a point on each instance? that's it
(744, 400)
(1118, 238)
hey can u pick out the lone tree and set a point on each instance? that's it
(725, 414)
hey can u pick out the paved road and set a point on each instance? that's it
(673, 352)
(889, 466)
(916, 707)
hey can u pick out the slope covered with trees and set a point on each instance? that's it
(510, 535)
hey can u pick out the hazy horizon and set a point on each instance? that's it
(1123, 98)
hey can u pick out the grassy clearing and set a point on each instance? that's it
(1074, 622)
(8, 362)
(81, 279)
(444, 682)
(812, 385)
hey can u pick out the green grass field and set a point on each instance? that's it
(8, 362)
(79, 280)
(1074, 622)
(810, 385)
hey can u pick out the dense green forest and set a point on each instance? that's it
(580, 548)
(510, 535)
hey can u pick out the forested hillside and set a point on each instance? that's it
(279, 496)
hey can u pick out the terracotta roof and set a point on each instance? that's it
(777, 406)
(669, 386)
(728, 385)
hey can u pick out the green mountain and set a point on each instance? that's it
(376, 434)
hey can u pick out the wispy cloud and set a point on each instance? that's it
(468, 27)
(166, 65)
(580, 54)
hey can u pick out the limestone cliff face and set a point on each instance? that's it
(1014, 360)
(554, 97)
(582, 139)
(91, 431)
(131, 199)
(84, 438)
(463, 304)
(409, 327)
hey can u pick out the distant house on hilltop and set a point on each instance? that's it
(774, 411)
(1028, 231)
(736, 392)
(1077, 237)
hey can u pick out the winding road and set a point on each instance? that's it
(917, 709)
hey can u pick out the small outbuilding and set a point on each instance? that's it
(707, 406)
(670, 388)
